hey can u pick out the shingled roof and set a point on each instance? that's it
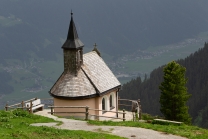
(93, 79)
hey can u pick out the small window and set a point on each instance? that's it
(111, 102)
(103, 105)
(79, 57)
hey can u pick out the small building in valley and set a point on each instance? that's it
(85, 81)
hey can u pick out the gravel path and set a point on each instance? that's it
(128, 132)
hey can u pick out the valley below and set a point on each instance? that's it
(36, 77)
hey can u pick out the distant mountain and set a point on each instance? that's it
(33, 31)
(119, 26)
(196, 71)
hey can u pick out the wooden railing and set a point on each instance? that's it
(47, 102)
(21, 105)
(86, 112)
(117, 112)
(128, 100)
(18, 105)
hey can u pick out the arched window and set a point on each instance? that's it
(103, 104)
(112, 101)
(78, 57)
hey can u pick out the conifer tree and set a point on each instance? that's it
(174, 93)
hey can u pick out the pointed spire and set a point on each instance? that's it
(72, 32)
(73, 40)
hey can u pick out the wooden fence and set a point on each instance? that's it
(86, 111)
(131, 101)
(18, 105)
(49, 101)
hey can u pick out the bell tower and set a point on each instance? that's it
(73, 50)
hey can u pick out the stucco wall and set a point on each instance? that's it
(93, 103)
(107, 96)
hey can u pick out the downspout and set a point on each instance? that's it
(117, 102)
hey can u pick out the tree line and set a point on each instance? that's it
(148, 91)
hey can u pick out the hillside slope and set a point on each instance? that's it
(196, 72)
(40, 27)
(32, 33)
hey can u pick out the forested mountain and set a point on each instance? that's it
(39, 27)
(33, 31)
(196, 71)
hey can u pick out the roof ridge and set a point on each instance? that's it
(90, 53)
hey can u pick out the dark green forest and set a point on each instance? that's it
(196, 72)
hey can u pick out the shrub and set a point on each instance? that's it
(21, 113)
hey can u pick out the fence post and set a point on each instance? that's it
(6, 107)
(51, 110)
(31, 106)
(86, 114)
(124, 115)
(118, 106)
(22, 105)
(140, 110)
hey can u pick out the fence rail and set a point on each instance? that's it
(86, 112)
(106, 111)
(18, 105)
(107, 117)
(67, 106)
(129, 100)
(23, 106)
(49, 101)
(125, 105)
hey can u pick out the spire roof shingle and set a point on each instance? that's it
(72, 41)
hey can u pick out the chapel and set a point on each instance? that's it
(85, 81)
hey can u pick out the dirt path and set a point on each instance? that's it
(128, 132)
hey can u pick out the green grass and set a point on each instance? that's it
(16, 124)
(191, 132)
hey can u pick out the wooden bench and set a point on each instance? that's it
(166, 122)
(34, 105)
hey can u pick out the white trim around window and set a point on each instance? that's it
(104, 104)
(112, 101)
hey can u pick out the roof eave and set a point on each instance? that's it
(73, 44)
(110, 90)
(74, 98)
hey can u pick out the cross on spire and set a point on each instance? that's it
(95, 45)
(96, 50)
